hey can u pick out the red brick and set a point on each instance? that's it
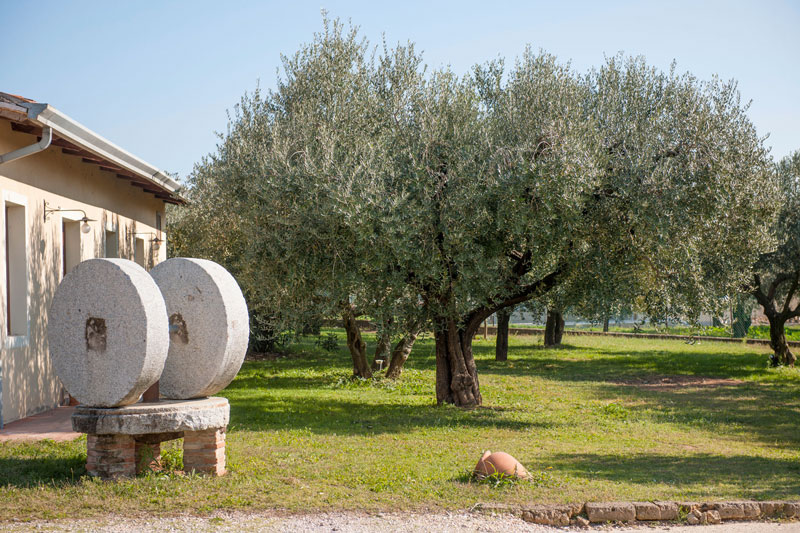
(148, 457)
(204, 452)
(110, 456)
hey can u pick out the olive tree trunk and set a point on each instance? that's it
(777, 341)
(381, 350)
(356, 345)
(400, 354)
(554, 327)
(605, 325)
(456, 374)
(501, 344)
(777, 314)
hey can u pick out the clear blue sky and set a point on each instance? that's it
(157, 78)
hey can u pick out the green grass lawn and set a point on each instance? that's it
(598, 419)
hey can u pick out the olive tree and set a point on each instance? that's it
(525, 185)
(777, 273)
(304, 169)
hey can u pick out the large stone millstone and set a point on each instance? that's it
(108, 332)
(209, 327)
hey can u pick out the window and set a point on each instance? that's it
(138, 252)
(112, 244)
(70, 245)
(16, 259)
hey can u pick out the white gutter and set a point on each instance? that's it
(69, 129)
(47, 137)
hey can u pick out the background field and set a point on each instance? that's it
(754, 332)
(597, 419)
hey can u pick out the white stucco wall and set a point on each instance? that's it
(29, 384)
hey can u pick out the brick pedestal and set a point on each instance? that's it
(148, 456)
(204, 451)
(110, 456)
(124, 441)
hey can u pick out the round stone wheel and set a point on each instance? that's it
(108, 332)
(209, 327)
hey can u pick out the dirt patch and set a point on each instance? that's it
(678, 382)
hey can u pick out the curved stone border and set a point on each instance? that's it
(604, 512)
(165, 416)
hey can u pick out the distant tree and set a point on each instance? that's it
(777, 273)
(501, 339)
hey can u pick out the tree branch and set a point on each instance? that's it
(759, 295)
(525, 293)
(790, 295)
(773, 287)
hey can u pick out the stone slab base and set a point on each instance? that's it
(125, 441)
(158, 417)
(605, 512)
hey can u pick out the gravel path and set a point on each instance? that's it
(361, 523)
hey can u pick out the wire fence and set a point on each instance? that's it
(743, 318)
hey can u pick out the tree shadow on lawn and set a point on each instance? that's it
(670, 387)
(763, 410)
(760, 412)
(614, 364)
(352, 417)
(260, 382)
(22, 472)
(759, 477)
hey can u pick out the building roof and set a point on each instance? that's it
(73, 138)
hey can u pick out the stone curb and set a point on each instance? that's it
(166, 416)
(605, 512)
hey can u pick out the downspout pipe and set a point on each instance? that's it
(47, 138)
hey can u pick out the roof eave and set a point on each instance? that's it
(69, 129)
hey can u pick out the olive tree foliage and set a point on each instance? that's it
(687, 182)
(365, 185)
(776, 274)
(306, 172)
(654, 180)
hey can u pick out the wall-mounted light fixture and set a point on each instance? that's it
(155, 242)
(85, 227)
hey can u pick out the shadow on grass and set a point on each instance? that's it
(346, 417)
(34, 471)
(752, 399)
(760, 477)
(615, 364)
(765, 412)
(764, 406)
(264, 382)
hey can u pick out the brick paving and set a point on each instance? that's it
(53, 425)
